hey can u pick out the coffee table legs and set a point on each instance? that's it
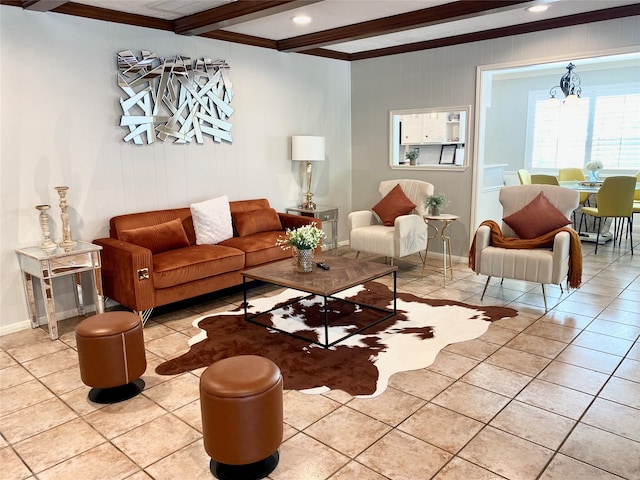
(326, 298)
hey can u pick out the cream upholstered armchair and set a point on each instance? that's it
(400, 230)
(540, 265)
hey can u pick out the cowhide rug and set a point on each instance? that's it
(360, 365)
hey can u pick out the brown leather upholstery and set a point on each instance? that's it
(111, 349)
(241, 405)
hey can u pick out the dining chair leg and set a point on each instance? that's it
(598, 235)
(544, 297)
(581, 220)
(630, 230)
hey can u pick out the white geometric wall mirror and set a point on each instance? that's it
(174, 99)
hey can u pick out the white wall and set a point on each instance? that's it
(447, 76)
(59, 126)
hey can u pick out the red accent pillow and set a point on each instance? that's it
(394, 204)
(536, 218)
(158, 238)
(255, 221)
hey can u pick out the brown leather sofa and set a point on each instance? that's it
(150, 269)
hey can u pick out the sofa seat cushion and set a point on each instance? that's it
(259, 248)
(195, 262)
(532, 265)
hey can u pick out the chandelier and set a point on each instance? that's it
(569, 84)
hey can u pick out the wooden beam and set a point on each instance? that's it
(42, 5)
(240, 38)
(86, 11)
(234, 13)
(559, 22)
(406, 21)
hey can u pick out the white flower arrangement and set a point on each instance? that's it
(593, 166)
(307, 237)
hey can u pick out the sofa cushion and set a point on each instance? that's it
(256, 221)
(394, 204)
(259, 248)
(212, 220)
(183, 265)
(536, 218)
(158, 238)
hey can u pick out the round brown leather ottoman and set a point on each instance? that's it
(111, 355)
(241, 406)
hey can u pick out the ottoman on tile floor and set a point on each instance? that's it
(241, 406)
(111, 355)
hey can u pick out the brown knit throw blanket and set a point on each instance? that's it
(498, 240)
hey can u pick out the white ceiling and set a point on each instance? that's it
(330, 14)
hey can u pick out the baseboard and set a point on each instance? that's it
(14, 327)
(454, 258)
(42, 320)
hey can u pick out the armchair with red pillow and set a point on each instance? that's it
(394, 227)
(535, 242)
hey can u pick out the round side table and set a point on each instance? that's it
(446, 219)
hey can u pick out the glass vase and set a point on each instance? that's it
(594, 176)
(435, 211)
(304, 261)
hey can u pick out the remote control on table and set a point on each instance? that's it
(323, 265)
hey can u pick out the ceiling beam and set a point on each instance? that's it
(240, 38)
(42, 5)
(96, 13)
(549, 24)
(420, 18)
(234, 13)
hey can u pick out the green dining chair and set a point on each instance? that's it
(540, 179)
(524, 176)
(614, 200)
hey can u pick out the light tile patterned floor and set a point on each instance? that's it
(552, 396)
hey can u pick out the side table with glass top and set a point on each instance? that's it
(43, 266)
(328, 215)
(446, 219)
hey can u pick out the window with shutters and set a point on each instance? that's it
(603, 125)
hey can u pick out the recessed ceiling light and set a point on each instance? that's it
(538, 8)
(301, 19)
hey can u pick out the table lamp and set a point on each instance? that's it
(305, 148)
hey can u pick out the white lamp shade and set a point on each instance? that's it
(307, 148)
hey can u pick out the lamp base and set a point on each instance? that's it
(308, 204)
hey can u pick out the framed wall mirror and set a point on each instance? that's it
(429, 138)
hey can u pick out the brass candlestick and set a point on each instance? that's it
(46, 244)
(67, 241)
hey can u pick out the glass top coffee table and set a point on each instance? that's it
(343, 274)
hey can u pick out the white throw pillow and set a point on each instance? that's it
(212, 220)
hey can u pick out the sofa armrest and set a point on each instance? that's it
(361, 218)
(127, 273)
(482, 241)
(291, 221)
(561, 249)
(410, 234)
(483, 238)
